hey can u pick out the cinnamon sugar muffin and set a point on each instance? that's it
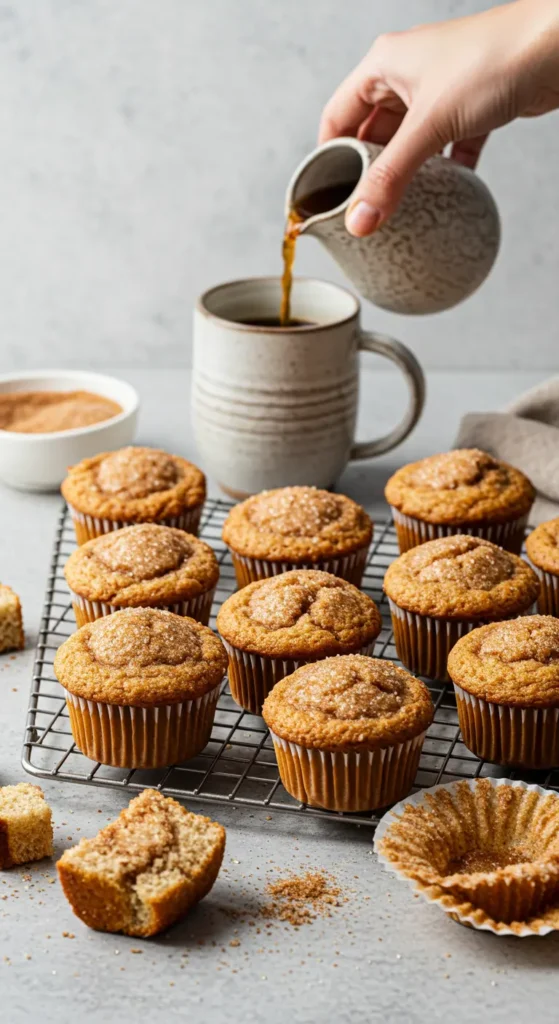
(348, 732)
(542, 547)
(298, 527)
(462, 491)
(141, 687)
(133, 485)
(506, 680)
(441, 590)
(273, 626)
(142, 566)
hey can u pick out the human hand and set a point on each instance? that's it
(451, 82)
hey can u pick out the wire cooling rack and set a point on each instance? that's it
(238, 766)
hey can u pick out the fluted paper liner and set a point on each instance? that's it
(89, 527)
(347, 567)
(525, 737)
(412, 532)
(423, 643)
(348, 780)
(135, 737)
(425, 837)
(252, 676)
(198, 608)
(548, 600)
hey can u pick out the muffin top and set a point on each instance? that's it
(462, 486)
(542, 546)
(348, 703)
(299, 614)
(142, 564)
(297, 523)
(461, 577)
(514, 662)
(141, 657)
(134, 485)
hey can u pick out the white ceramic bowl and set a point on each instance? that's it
(39, 462)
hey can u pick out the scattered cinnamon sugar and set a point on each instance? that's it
(299, 899)
(458, 468)
(137, 472)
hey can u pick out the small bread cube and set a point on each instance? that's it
(146, 869)
(11, 625)
(25, 825)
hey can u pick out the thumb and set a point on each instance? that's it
(377, 197)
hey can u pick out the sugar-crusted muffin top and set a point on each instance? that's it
(542, 546)
(297, 523)
(142, 564)
(304, 613)
(461, 577)
(141, 657)
(514, 662)
(134, 484)
(350, 703)
(461, 486)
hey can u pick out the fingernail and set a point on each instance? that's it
(362, 218)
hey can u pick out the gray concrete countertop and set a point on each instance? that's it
(382, 955)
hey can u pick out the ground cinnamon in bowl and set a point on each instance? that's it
(47, 412)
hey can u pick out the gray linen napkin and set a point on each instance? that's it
(526, 434)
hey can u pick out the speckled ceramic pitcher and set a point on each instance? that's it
(434, 251)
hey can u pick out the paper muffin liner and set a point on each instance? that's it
(252, 676)
(198, 608)
(521, 900)
(423, 643)
(523, 737)
(135, 737)
(412, 532)
(348, 567)
(89, 527)
(548, 600)
(348, 780)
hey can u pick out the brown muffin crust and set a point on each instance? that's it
(461, 577)
(542, 546)
(299, 614)
(142, 564)
(348, 703)
(300, 524)
(514, 662)
(461, 486)
(134, 485)
(141, 657)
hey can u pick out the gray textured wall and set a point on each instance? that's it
(145, 151)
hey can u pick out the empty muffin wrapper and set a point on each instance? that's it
(444, 818)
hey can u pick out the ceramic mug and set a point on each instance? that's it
(274, 406)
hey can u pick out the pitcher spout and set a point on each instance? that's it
(322, 186)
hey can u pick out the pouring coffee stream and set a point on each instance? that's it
(320, 200)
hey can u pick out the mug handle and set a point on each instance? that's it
(369, 341)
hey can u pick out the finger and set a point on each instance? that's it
(347, 109)
(467, 151)
(380, 125)
(378, 195)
